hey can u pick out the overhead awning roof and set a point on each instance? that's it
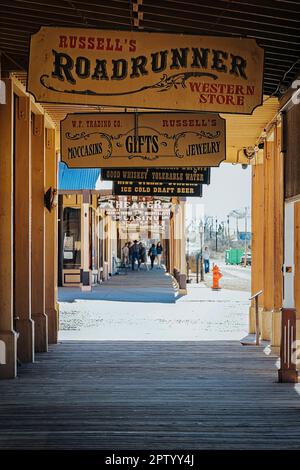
(77, 179)
(275, 24)
(81, 179)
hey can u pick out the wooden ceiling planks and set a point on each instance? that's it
(274, 23)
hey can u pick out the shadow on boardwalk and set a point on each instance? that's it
(149, 395)
(155, 286)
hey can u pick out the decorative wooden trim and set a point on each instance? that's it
(49, 138)
(23, 108)
(38, 124)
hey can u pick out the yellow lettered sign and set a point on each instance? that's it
(122, 140)
(146, 70)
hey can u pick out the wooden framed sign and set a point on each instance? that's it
(167, 175)
(128, 188)
(120, 140)
(146, 70)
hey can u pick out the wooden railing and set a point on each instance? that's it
(257, 330)
(288, 371)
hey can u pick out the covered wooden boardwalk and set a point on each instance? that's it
(143, 395)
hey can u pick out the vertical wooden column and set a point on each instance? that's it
(171, 242)
(38, 234)
(273, 239)
(8, 338)
(51, 241)
(269, 238)
(85, 242)
(257, 224)
(177, 235)
(296, 256)
(60, 235)
(182, 238)
(278, 239)
(22, 243)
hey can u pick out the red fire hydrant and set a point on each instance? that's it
(216, 277)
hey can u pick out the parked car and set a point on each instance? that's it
(248, 261)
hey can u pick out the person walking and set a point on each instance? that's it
(206, 257)
(134, 253)
(129, 244)
(152, 253)
(125, 254)
(159, 250)
(143, 256)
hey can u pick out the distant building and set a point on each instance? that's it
(85, 257)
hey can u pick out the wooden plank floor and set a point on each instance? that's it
(155, 286)
(149, 395)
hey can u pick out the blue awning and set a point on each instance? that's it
(77, 178)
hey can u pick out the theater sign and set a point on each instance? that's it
(122, 140)
(146, 70)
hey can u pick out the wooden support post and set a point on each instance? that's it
(181, 236)
(22, 243)
(171, 242)
(85, 242)
(8, 337)
(287, 371)
(38, 234)
(269, 239)
(51, 241)
(60, 266)
(257, 224)
(278, 184)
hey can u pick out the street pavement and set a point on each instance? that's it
(145, 306)
(235, 277)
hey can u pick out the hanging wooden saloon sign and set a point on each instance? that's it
(146, 70)
(120, 140)
(130, 188)
(199, 175)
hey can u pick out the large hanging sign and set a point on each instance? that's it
(128, 188)
(122, 210)
(146, 70)
(167, 175)
(119, 140)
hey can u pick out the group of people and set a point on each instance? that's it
(136, 253)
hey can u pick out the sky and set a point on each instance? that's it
(229, 189)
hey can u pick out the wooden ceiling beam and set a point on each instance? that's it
(217, 8)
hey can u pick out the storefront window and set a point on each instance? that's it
(72, 239)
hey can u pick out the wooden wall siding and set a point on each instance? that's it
(292, 157)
